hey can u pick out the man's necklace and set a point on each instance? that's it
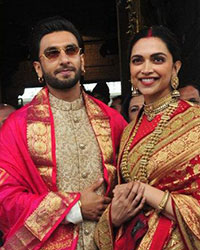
(168, 105)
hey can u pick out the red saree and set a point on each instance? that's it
(174, 166)
(32, 208)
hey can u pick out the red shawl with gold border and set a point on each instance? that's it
(174, 166)
(32, 208)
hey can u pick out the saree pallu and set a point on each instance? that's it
(31, 207)
(175, 166)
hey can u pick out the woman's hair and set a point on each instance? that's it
(164, 34)
(47, 26)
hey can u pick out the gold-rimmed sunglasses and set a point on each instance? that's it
(54, 52)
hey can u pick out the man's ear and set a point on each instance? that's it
(82, 63)
(38, 69)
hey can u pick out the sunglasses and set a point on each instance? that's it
(54, 52)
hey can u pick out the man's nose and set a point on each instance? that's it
(63, 56)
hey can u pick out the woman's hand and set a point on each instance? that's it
(127, 202)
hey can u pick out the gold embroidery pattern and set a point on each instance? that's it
(39, 136)
(45, 215)
(76, 167)
(103, 232)
(186, 233)
(61, 238)
(22, 240)
(175, 144)
(190, 211)
(101, 126)
(179, 150)
(46, 174)
(175, 242)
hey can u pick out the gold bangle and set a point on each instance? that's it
(163, 202)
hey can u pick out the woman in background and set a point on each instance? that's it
(157, 204)
(132, 106)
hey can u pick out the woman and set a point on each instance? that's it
(132, 106)
(158, 205)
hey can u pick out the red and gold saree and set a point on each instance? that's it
(175, 166)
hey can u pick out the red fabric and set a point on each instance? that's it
(162, 234)
(131, 235)
(21, 187)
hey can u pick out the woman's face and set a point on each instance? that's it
(135, 105)
(152, 67)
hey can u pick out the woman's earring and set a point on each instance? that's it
(40, 79)
(135, 92)
(175, 84)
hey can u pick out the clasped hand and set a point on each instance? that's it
(93, 205)
(128, 200)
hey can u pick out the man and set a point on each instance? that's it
(101, 91)
(117, 103)
(58, 153)
(5, 111)
(190, 93)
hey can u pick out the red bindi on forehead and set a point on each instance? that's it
(149, 32)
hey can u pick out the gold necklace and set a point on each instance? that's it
(143, 175)
(152, 109)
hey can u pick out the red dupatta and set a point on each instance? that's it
(35, 208)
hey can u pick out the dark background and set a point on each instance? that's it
(98, 22)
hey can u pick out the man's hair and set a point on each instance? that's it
(47, 26)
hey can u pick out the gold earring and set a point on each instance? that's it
(135, 91)
(175, 84)
(40, 79)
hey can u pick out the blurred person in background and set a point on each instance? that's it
(132, 106)
(190, 93)
(101, 91)
(5, 111)
(117, 103)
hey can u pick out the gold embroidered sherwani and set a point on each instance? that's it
(75, 170)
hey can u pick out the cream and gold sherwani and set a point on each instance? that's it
(78, 156)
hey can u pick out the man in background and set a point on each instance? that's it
(101, 91)
(117, 103)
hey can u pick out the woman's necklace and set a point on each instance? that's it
(152, 109)
(169, 108)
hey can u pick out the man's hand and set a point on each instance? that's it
(92, 204)
(127, 202)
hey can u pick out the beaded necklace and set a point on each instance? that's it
(168, 109)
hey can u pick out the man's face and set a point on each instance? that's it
(63, 71)
(189, 93)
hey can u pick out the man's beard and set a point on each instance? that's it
(67, 83)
